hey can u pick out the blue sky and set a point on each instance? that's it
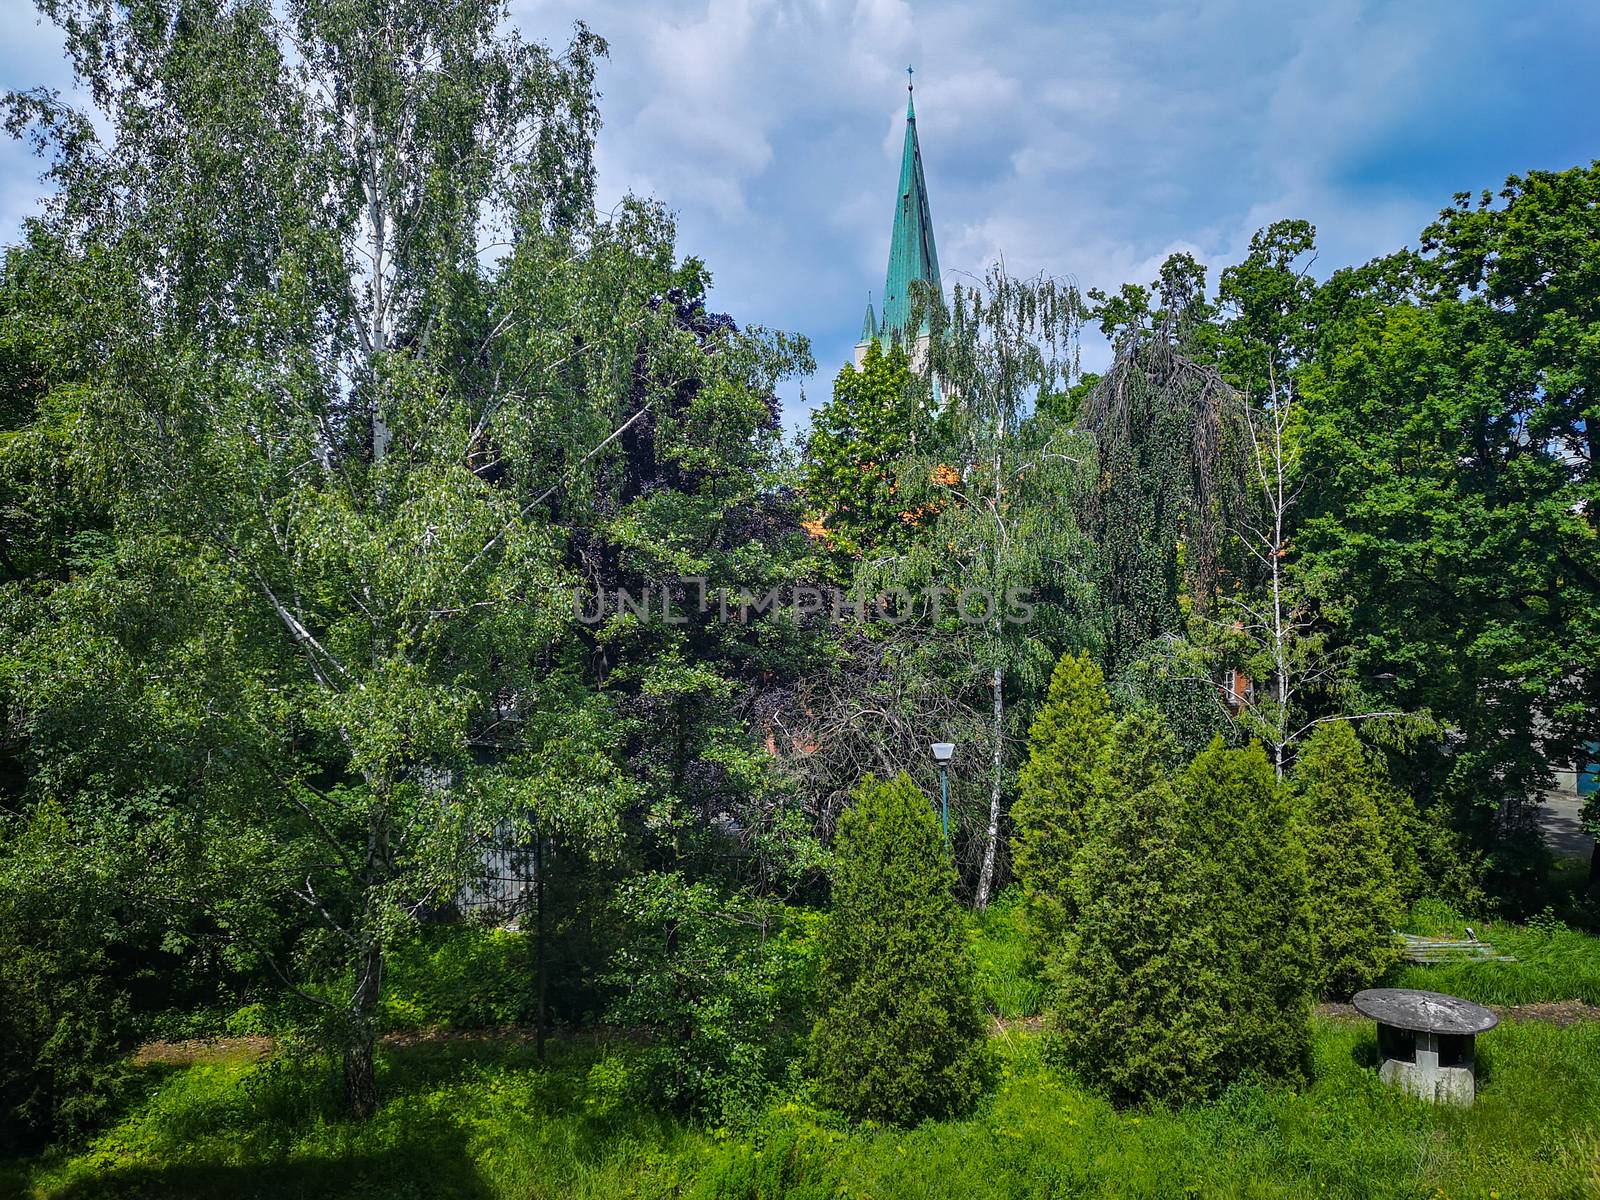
(1087, 140)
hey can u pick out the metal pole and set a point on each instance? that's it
(944, 802)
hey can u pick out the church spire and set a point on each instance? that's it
(912, 254)
(869, 326)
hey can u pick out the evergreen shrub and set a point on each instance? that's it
(1064, 777)
(901, 1037)
(1140, 993)
(1187, 967)
(1253, 878)
(1348, 823)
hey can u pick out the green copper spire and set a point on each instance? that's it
(869, 326)
(912, 255)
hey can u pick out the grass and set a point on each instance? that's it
(1554, 962)
(481, 1119)
(1007, 975)
(484, 1120)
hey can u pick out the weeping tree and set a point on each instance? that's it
(1168, 476)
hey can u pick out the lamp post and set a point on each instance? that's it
(942, 753)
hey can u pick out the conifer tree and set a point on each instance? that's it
(901, 1036)
(1144, 751)
(1140, 995)
(1254, 882)
(1354, 893)
(1065, 776)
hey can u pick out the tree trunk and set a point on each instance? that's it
(980, 901)
(360, 1073)
(360, 1077)
(986, 877)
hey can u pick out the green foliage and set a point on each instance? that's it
(65, 1018)
(1349, 821)
(313, 640)
(717, 984)
(1139, 1006)
(859, 441)
(1253, 877)
(1168, 468)
(901, 1037)
(1187, 967)
(1143, 751)
(1173, 676)
(462, 977)
(1454, 429)
(1063, 779)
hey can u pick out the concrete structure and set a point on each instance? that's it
(1427, 1041)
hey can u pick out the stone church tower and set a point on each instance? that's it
(912, 255)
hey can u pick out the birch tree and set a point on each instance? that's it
(361, 338)
(999, 501)
(1285, 619)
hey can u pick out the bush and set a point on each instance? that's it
(1347, 825)
(717, 982)
(1139, 1002)
(1063, 779)
(464, 976)
(901, 1036)
(1188, 967)
(1254, 878)
(65, 1023)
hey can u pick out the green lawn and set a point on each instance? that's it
(483, 1120)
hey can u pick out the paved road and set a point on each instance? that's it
(1558, 817)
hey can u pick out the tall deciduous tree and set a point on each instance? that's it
(1167, 478)
(1452, 407)
(1278, 619)
(1529, 260)
(1001, 485)
(336, 428)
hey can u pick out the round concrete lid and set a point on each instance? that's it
(1424, 1012)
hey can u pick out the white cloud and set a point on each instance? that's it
(1089, 140)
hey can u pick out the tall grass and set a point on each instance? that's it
(1007, 974)
(484, 1121)
(1553, 961)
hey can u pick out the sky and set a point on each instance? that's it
(1084, 140)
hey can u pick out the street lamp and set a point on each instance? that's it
(942, 753)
